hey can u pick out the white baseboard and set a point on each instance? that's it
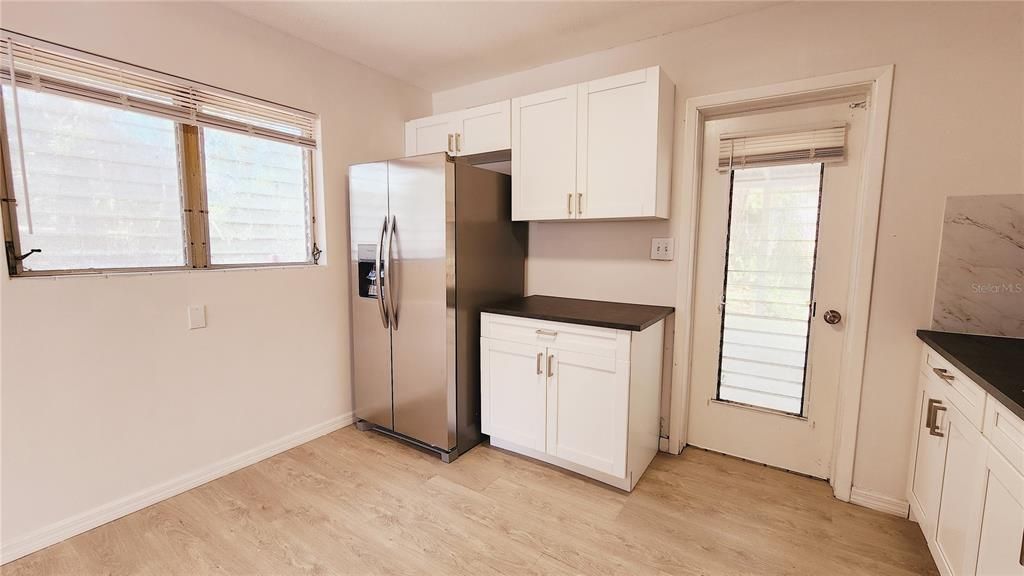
(64, 529)
(876, 501)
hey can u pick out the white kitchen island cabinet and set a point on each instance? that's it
(966, 485)
(582, 397)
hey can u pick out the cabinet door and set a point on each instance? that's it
(484, 129)
(513, 392)
(1001, 549)
(961, 501)
(930, 459)
(429, 135)
(618, 133)
(544, 155)
(588, 403)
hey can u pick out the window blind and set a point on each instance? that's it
(41, 67)
(750, 150)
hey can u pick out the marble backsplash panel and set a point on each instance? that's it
(980, 283)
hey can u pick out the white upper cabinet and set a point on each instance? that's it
(600, 150)
(429, 135)
(483, 129)
(544, 155)
(624, 150)
(471, 131)
(615, 134)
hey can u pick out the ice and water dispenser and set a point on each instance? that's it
(368, 271)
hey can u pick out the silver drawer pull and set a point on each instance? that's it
(1022, 550)
(944, 374)
(550, 333)
(936, 429)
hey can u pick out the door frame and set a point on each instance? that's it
(876, 83)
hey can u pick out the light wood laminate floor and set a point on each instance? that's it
(359, 503)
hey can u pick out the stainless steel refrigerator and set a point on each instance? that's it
(432, 240)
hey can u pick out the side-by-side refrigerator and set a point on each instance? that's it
(432, 241)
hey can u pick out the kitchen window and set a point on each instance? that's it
(108, 167)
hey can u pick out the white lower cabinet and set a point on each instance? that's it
(1001, 541)
(930, 457)
(960, 504)
(580, 397)
(585, 395)
(512, 404)
(964, 489)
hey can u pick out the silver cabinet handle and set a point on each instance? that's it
(387, 275)
(550, 333)
(458, 142)
(929, 420)
(569, 207)
(379, 280)
(944, 374)
(450, 150)
(1022, 549)
(935, 429)
(540, 355)
(551, 371)
(579, 203)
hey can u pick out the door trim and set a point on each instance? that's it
(876, 83)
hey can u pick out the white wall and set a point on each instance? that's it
(106, 394)
(956, 128)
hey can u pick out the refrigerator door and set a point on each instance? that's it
(422, 284)
(371, 335)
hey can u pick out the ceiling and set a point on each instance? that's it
(441, 45)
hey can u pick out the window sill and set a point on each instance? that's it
(163, 271)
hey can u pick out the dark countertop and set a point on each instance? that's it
(995, 363)
(617, 315)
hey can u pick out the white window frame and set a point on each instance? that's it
(195, 219)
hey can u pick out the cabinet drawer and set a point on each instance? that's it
(967, 396)
(1006, 433)
(604, 342)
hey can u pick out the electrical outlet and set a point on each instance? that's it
(196, 317)
(661, 249)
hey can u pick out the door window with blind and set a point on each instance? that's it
(110, 167)
(771, 249)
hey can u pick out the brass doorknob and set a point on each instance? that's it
(832, 317)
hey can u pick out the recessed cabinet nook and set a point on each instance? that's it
(598, 150)
(966, 481)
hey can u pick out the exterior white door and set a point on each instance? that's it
(588, 403)
(773, 259)
(513, 392)
(544, 155)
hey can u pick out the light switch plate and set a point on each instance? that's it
(661, 249)
(196, 316)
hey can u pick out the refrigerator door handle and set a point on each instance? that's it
(379, 279)
(387, 274)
